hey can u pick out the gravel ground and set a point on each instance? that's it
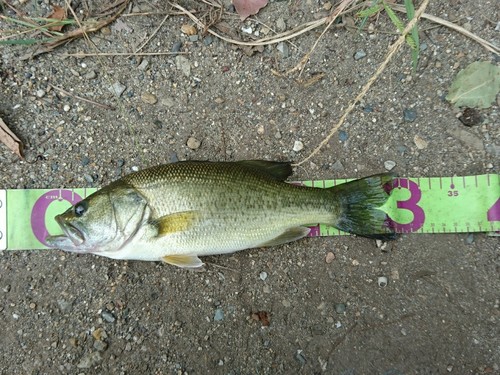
(277, 311)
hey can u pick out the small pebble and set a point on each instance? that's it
(282, 47)
(469, 239)
(176, 47)
(107, 316)
(66, 108)
(183, 64)
(338, 166)
(389, 165)
(420, 142)
(90, 75)
(368, 109)
(343, 136)
(219, 315)
(280, 24)
(143, 65)
(359, 55)
(173, 158)
(330, 257)
(100, 346)
(402, 149)
(207, 40)
(193, 38)
(89, 360)
(260, 129)
(193, 143)
(117, 88)
(40, 93)
(340, 308)
(298, 146)
(300, 357)
(247, 29)
(88, 178)
(85, 161)
(277, 135)
(382, 281)
(148, 98)
(263, 276)
(409, 115)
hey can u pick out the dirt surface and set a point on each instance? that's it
(65, 313)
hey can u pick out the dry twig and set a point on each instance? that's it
(392, 50)
(67, 93)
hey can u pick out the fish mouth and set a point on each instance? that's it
(70, 231)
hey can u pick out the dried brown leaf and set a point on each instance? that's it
(247, 8)
(8, 138)
(58, 14)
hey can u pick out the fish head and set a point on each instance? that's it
(102, 222)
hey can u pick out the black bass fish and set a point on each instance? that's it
(178, 212)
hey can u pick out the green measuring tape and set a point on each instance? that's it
(416, 205)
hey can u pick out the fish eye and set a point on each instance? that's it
(80, 208)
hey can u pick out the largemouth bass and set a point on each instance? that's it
(178, 212)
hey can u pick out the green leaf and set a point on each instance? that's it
(475, 86)
(410, 12)
(368, 12)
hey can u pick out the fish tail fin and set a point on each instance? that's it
(360, 202)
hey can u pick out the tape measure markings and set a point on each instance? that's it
(417, 205)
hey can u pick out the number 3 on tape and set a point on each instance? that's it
(410, 204)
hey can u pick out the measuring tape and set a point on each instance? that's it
(416, 205)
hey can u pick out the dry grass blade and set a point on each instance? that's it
(8, 138)
(67, 93)
(82, 31)
(392, 50)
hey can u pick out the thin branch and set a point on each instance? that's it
(81, 98)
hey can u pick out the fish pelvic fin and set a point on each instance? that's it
(176, 222)
(291, 234)
(360, 202)
(183, 261)
(275, 169)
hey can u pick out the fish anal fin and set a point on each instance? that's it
(291, 234)
(278, 170)
(183, 261)
(176, 222)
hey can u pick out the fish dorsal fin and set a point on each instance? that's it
(183, 261)
(176, 222)
(289, 235)
(276, 169)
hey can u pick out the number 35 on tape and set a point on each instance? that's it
(416, 205)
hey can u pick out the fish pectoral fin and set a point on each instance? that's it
(176, 222)
(289, 235)
(183, 261)
(278, 170)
